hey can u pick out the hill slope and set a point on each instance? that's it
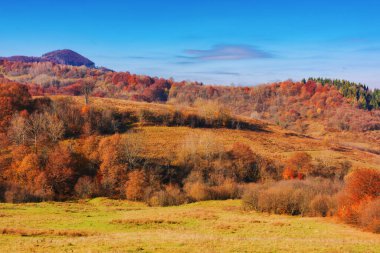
(68, 57)
(269, 140)
(65, 56)
(315, 107)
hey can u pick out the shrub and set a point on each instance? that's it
(15, 194)
(358, 201)
(229, 189)
(322, 205)
(329, 169)
(145, 117)
(289, 173)
(85, 187)
(251, 195)
(370, 216)
(197, 191)
(170, 196)
(285, 199)
(294, 197)
(37, 190)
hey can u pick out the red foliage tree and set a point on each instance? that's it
(13, 97)
(59, 171)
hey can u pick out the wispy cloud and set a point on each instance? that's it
(225, 73)
(133, 57)
(225, 52)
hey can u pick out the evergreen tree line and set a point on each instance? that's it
(360, 93)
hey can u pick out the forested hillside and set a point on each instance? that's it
(360, 94)
(289, 104)
(336, 105)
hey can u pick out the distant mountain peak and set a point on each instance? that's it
(64, 56)
(68, 57)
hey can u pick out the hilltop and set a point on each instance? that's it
(65, 56)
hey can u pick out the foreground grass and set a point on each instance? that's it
(101, 225)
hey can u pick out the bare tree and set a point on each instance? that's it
(198, 147)
(36, 126)
(87, 87)
(54, 127)
(132, 149)
(18, 130)
(31, 130)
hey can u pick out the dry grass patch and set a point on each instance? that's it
(232, 228)
(147, 221)
(43, 232)
(199, 215)
(122, 209)
(245, 220)
(280, 224)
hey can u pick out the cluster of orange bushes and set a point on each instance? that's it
(356, 202)
(301, 165)
(114, 166)
(310, 197)
(359, 202)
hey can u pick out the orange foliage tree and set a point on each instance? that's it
(246, 165)
(113, 169)
(59, 171)
(361, 188)
(26, 179)
(298, 165)
(136, 184)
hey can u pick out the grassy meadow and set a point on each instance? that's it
(101, 224)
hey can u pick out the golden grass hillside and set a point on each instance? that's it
(274, 142)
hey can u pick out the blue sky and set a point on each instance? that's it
(217, 42)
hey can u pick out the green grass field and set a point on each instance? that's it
(101, 225)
